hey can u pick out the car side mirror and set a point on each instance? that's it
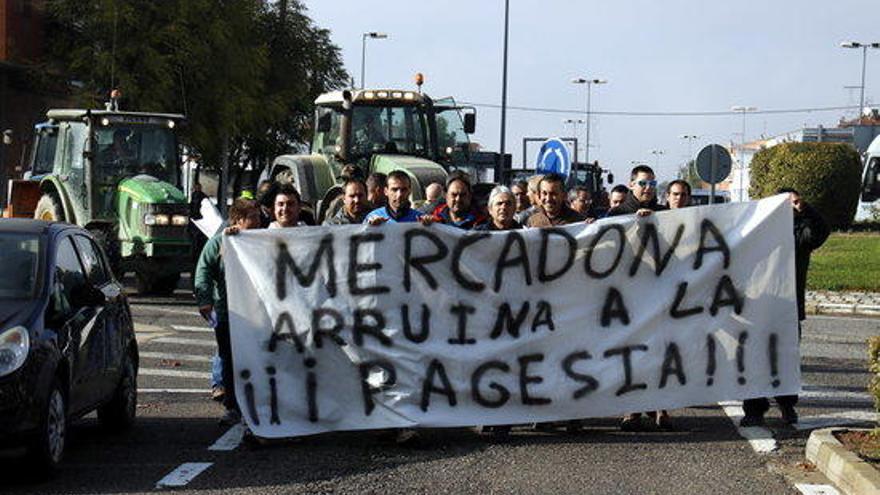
(88, 295)
(324, 122)
(470, 123)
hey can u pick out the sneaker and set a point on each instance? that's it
(217, 393)
(789, 415)
(749, 421)
(405, 435)
(664, 422)
(232, 417)
(631, 422)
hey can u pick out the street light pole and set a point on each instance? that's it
(864, 47)
(574, 123)
(589, 83)
(657, 154)
(376, 36)
(504, 85)
(742, 149)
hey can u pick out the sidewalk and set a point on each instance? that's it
(850, 303)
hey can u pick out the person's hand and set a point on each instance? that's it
(589, 220)
(205, 311)
(376, 221)
(426, 220)
(643, 212)
(231, 230)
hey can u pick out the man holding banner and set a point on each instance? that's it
(407, 327)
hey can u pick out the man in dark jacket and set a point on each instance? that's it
(810, 232)
(458, 210)
(552, 208)
(642, 196)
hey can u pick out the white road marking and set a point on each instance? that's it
(183, 474)
(176, 340)
(230, 440)
(834, 419)
(816, 392)
(147, 306)
(760, 438)
(825, 317)
(188, 328)
(808, 489)
(175, 373)
(178, 357)
(174, 391)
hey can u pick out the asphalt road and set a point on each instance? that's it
(178, 425)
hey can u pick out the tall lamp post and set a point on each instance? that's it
(574, 123)
(500, 166)
(742, 150)
(657, 154)
(373, 35)
(864, 47)
(690, 139)
(589, 83)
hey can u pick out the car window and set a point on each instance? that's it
(68, 272)
(92, 260)
(19, 265)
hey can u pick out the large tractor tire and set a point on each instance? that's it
(49, 208)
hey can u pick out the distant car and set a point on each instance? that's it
(67, 343)
(701, 197)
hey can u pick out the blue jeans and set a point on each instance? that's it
(216, 370)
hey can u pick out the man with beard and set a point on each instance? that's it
(458, 211)
(552, 208)
(354, 204)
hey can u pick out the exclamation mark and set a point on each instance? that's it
(311, 389)
(774, 369)
(249, 400)
(273, 396)
(710, 364)
(741, 357)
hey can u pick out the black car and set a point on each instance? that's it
(67, 344)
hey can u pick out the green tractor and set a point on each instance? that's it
(118, 174)
(379, 131)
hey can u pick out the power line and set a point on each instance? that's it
(724, 113)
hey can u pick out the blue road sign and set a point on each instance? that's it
(553, 158)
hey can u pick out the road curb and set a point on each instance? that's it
(844, 468)
(842, 309)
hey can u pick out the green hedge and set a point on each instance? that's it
(828, 175)
(874, 368)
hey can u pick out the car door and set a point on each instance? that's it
(111, 316)
(82, 325)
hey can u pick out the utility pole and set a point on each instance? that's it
(504, 81)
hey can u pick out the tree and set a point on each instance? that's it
(244, 74)
(828, 175)
(688, 173)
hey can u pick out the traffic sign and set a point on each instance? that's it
(713, 163)
(554, 158)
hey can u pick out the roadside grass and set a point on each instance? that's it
(846, 262)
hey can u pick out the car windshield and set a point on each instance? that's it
(19, 263)
(393, 130)
(129, 150)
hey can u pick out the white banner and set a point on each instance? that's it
(355, 327)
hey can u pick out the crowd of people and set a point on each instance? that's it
(541, 201)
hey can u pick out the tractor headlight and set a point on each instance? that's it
(156, 219)
(179, 220)
(14, 346)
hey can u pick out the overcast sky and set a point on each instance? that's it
(658, 56)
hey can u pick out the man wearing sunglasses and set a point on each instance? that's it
(641, 199)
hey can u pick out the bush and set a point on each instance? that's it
(874, 368)
(828, 175)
